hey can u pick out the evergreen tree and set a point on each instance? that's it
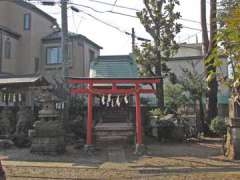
(159, 19)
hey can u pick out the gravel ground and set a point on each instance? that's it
(173, 161)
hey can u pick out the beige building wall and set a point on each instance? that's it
(79, 59)
(9, 64)
(87, 49)
(4, 13)
(187, 50)
(29, 45)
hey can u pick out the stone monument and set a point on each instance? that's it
(5, 122)
(24, 123)
(48, 134)
(5, 128)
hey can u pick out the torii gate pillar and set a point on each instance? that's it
(89, 139)
(139, 141)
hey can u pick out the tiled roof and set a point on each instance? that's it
(57, 35)
(122, 66)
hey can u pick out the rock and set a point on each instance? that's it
(6, 144)
(21, 140)
(167, 117)
(155, 132)
(178, 134)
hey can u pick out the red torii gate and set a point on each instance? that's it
(91, 90)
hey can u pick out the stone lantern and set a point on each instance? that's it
(48, 134)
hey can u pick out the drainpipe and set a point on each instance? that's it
(1, 49)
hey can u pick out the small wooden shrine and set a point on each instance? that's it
(113, 89)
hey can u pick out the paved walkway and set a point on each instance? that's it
(116, 154)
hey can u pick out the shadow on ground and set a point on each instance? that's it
(194, 156)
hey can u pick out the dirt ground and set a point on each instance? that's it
(173, 161)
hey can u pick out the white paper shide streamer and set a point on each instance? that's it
(126, 99)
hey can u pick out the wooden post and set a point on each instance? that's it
(138, 120)
(90, 118)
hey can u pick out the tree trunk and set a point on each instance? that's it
(205, 44)
(207, 49)
(160, 95)
(201, 116)
(205, 39)
(159, 86)
(212, 84)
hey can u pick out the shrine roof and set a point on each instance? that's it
(24, 81)
(119, 66)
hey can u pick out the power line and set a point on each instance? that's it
(114, 12)
(113, 26)
(110, 4)
(191, 36)
(108, 24)
(183, 19)
(195, 29)
(124, 14)
(115, 3)
(119, 13)
(109, 11)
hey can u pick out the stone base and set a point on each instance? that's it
(140, 149)
(113, 133)
(89, 148)
(47, 145)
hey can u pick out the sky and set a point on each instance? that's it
(113, 39)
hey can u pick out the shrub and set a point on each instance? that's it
(218, 126)
(165, 130)
(157, 112)
(175, 97)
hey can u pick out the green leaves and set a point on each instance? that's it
(175, 96)
(193, 82)
(228, 39)
(159, 20)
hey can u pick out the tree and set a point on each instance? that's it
(228, 39)
(194, 83)
(208, 47)
(159, 19)
(175, 97)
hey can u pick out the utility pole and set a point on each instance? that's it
(64, 42)
(133, 40)
(65, 60)
(134, 37)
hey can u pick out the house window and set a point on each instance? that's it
(91, 55)
(36, 64)
(54, 55)
(7, 49)
(27, 21)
